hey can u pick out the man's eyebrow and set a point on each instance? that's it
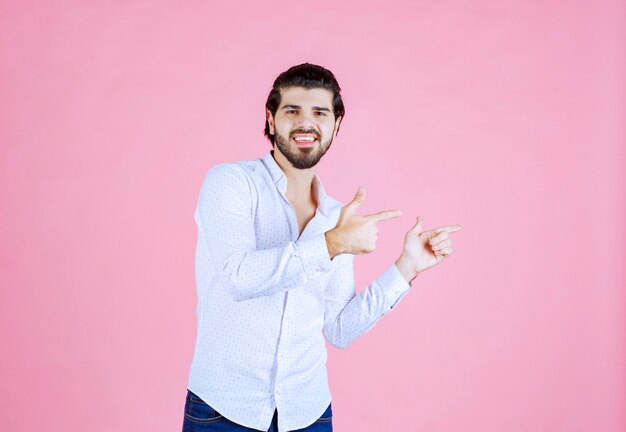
(315, 108)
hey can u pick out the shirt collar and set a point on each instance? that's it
(281, 181)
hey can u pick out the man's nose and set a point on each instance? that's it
(305, 120)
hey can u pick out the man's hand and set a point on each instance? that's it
(356, 234)
(423, 250)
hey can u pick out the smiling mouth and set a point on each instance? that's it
(307, 141)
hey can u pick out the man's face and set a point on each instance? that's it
(304, 115)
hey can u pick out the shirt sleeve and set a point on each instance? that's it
(224, 215)
(348, 315)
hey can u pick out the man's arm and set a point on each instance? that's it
(347, 315)
(225, 220)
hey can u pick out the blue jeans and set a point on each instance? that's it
(199, 416)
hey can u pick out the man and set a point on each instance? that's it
(274, 271)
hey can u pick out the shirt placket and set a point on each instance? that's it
(285, 340)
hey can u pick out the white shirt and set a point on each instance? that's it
(268, 297)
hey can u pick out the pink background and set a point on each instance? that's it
(504, 117)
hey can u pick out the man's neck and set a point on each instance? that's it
(299, 191)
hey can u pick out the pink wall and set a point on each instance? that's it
(504, 117)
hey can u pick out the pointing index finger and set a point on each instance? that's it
(384, 215)
(449, 228)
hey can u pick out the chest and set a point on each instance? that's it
(304, 214)
(277, 221)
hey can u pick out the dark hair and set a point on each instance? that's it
(309, 76)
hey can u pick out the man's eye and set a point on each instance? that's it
(290, 111)
(322, 113)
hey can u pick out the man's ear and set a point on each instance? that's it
(270, 120)
(337, 124)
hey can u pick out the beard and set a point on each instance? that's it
(301, 157)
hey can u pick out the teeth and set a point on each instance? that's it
(305, 139)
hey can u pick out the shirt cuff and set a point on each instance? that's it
(314, 256)
(394, 285)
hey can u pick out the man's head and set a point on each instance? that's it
(304, 101)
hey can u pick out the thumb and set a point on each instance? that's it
(351, 207)
(417, 228)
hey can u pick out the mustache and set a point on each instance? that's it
(311, 132)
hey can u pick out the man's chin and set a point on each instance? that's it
(302, 157)
(304, 161)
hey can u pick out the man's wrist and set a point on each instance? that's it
(332, 243)
(406, 269)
